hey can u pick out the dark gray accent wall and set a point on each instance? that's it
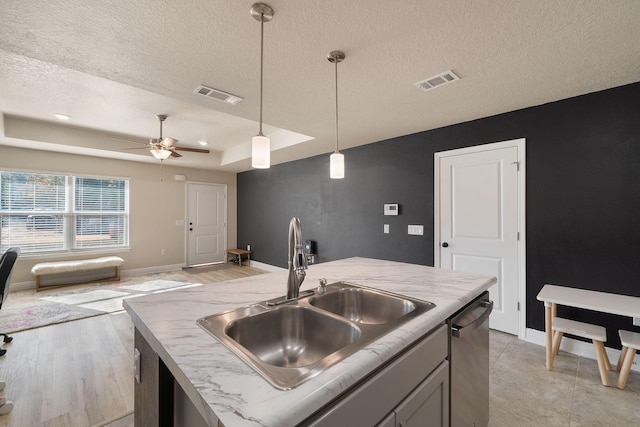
(582, 183)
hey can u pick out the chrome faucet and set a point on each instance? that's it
(297, 260)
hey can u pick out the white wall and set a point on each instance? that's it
(156, 202)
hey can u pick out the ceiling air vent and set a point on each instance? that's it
(216, 94)
(439, 80)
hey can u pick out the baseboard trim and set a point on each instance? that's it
(575, 347)
(266, 267)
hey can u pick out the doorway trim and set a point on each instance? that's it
(520, 144)
(186, 221)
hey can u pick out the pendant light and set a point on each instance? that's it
(260, 144)
(336, 160)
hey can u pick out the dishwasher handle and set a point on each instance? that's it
(461, 331)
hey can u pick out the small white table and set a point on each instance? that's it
(552, 295)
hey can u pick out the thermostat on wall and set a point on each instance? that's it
(391, 209)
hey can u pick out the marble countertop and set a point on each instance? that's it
(223, 387)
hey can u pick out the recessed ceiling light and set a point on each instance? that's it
(62, 116)
(203, 143)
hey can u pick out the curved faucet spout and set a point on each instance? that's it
(297, 260)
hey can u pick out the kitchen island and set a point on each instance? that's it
(226, 391)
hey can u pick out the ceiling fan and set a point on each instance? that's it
(163, 148)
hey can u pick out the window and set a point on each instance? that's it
(53, 213)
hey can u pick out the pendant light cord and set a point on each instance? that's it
(336, 63)
(261, 66)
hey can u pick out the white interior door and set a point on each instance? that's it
(477, 207)
(207, 223)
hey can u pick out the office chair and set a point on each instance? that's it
(7, 262)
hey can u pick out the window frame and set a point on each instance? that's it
(70, 214)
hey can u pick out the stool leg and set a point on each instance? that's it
(626, 368)
(549, 310)
(607, 364)
(557, 338)
(601, 356)
(623, 352)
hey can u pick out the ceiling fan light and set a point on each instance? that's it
(336, 165)
(161, 154)
(260, 152)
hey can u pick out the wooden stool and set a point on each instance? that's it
(630, 344)
(239, 253)
(597, 334)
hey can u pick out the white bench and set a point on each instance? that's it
(597, 334)
(77, 265)
(630, 344)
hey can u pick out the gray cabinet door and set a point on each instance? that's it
(428, 404)
(389, 421)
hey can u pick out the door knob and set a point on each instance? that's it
(190, 229)
(445, 245)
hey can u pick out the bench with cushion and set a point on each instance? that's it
(77, 265)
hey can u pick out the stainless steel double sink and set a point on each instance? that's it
(291, 342)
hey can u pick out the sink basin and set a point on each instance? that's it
(292, 336)
(363, 306)
(291, 341)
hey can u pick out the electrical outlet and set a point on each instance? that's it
(163, 251)
(636, 321)
(416, 230)
(386, 229)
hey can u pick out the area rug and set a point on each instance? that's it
(32, 310)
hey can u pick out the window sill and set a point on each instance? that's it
(73, 253)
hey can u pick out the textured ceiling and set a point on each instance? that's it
(114, 65)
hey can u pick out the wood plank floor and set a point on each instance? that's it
(79, 373)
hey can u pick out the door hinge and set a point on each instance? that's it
(518, 305)
(518, 235)
(517, 165)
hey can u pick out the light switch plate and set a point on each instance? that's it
(386, 229)
(416, 230)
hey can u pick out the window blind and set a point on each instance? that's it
(100, 212)
(46, 212)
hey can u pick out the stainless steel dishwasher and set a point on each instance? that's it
(469, 362)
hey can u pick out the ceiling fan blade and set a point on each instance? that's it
(135, 148)
(127, 140)
(193, 150)
(174, 154)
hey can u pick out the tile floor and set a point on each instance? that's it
(524, 393)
